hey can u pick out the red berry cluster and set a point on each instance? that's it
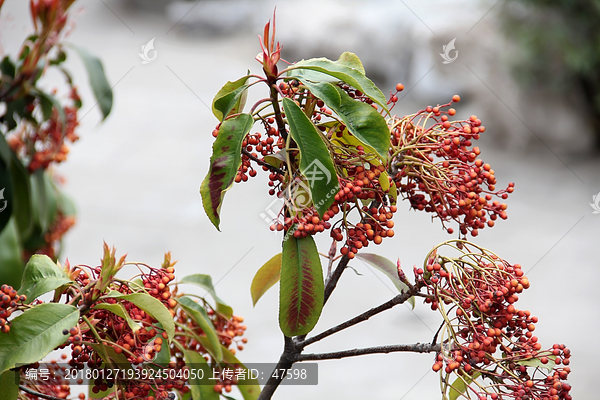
(9, 299)
(438, 171)
(480, 290)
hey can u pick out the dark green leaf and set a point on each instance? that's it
(230, 99)
(388, 268)
(205, 282)
(10, 256)
(41, 275)
(198, 314)
(301, 288)
(36, 333)
(152, 306)
(100, 87)
(224, 163)
(201, 389)
(8, 385)
(362, 120)
(316, 163)
(347, 69)
(21, 196)
(7, 67)
(5, 151)
(267, 276)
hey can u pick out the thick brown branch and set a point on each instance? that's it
(285, 362)
(335, 277)
(414, 348)
(399, 299)
(277, 110)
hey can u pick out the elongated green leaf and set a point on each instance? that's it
(112, 360)
(301, 288)
(152, 306)
(199, 315)
(36, 333)
(120, 311)
(459, 386)
(347, 69)
(201, 388)
(205, 282)
(388, 268)
(251, 388)
(41, 275)
(230, 99)
(267, 276)
(316, 163)
(21, 195)
(224, 163)
(11, 266)
(8, 385)
(362, 120)
(100, 87)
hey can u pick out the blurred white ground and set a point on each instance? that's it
(135, 180)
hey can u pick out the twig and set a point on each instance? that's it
(278, 117)
(335, 277)
(399, 299)
(414, 348)
(34, 393)
(261, 162)
(331, 256)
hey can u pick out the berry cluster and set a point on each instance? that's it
(476, 293)
(436, 169)
(9, 299)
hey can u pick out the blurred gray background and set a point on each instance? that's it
(135, 177)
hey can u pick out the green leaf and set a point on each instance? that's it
(537, 363)
(315, 160)
(6, 192)
(230, 99)
(41, 275)
(109, 355)
(100, 87)
(267, 276)
(21, 196)
(362, 120)
(251, 388)
(10, 257)
(5, 151)
(201, 389)
(301, 289)
(224, 163)
(120, 311)
(48, 103)
(35, 333)
(347, 69)
(388, 268)
(199, 315)
(459, 386)
(152, 306)
(7, 67)
(205, 282)
(8, 385)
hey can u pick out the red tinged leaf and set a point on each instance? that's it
(301, 287)
(224, 163)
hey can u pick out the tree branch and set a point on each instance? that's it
(285, 362)
(335, 277)
(34, 393)
(262, 163)
(399, 299)
(414, 348)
